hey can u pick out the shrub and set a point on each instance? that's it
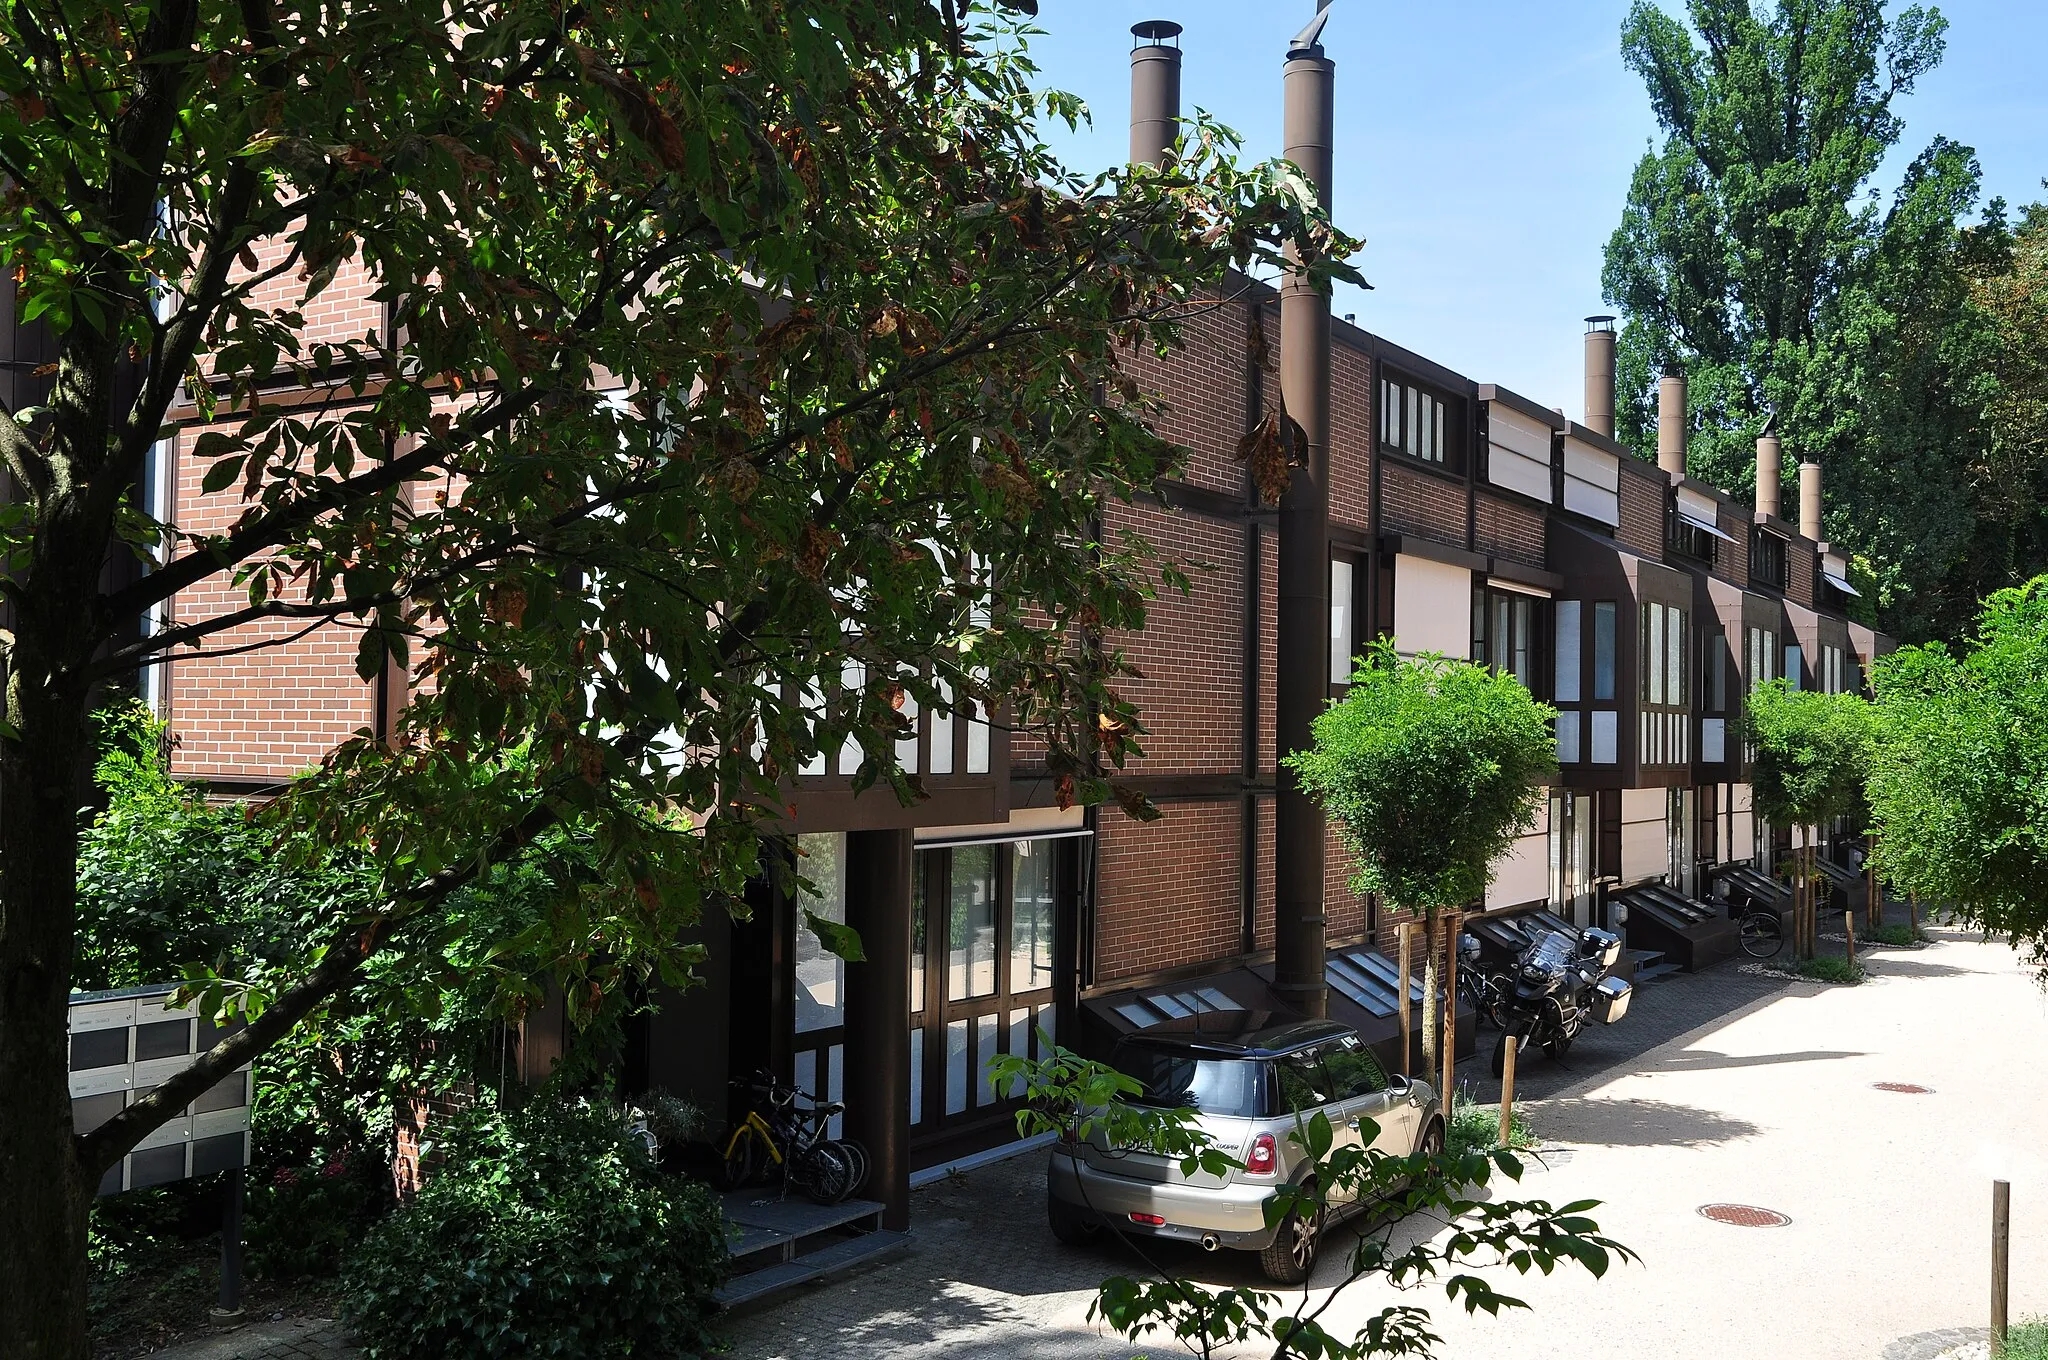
(1476, 1128)
(544, 1231)
(1829, 968)
(1898, 936)
(2026, 1341)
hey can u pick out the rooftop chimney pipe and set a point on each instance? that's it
(1600, 375)
(1155, 90)
(1770, 464)
(1671, 418)
(1809, 501)
(1299, 925)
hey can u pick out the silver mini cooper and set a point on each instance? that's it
(1248, 1091)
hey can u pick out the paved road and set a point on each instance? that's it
(1722, 1087)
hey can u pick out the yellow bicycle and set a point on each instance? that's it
(827, 1169)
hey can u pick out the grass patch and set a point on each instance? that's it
(2027, 1341)
(1476, 1128)
(1828, 968)
(1898, 936)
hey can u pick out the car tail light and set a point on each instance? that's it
(1149, 1220)
(1265, 1156)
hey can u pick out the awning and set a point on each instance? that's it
(1840, 584)
(1704, 525)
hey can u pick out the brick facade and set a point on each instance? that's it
(1510, 529)
(1643, 492)
(1170, 891)
(1417, 501)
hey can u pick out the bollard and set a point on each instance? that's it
(1849, 934)
(1507, 1092)
(2001, 1244)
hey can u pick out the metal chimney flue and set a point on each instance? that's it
(1155, 90)
(1671, 418)
(1770, 466)
(1600, 375)
(1809, 501)
(1299, 924)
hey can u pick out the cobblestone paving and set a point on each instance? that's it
(283, 1339)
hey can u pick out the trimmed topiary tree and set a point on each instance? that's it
(1431, 767)
(1959, 783)
(1809, 760)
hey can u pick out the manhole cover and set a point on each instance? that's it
(1904, 1088)
(1744, 1215)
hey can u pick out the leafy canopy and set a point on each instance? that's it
(750, 379)
(1810, 754)
(1752, 254)
(1960, 785)
(1432, 768)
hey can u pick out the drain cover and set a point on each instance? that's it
(1904, 1088)
(1744, 1215)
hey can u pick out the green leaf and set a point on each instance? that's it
(838, 939)
(222, 473)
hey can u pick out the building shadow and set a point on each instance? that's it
(1891, 965)
(1636, 1123)
(1706, 1060)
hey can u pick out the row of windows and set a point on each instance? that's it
(1412, 421)
(1664, 651)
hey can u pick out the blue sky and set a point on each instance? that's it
(1485, 146)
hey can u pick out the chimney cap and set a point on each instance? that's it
(1155, 31)
(1599, 323)
(1309, 42)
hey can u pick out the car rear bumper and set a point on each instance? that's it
(1235, 1215)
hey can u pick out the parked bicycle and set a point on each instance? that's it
(1758, 924)
(1488, 990)
(782, 1132)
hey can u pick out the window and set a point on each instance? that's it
(1760, 658)
(1343, 620)
(1413, 421)
(971, 923)
(1303, 1083)
(1795, 667)
(1504, 633)
(1569, 661)
(1603, 650)
(820, 974)
(1031, 915)
(1664, 640)
(1353, 1069)
(1767, 560)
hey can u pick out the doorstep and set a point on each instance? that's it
(782, 1243)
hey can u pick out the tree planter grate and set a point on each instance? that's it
(1744, 1215)
(1903, 1088)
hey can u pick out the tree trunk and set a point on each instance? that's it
(1432, 1025)
(46, 1191)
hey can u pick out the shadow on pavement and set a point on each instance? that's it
(1636, 1123)
(1706, 1060)
(1890, 965)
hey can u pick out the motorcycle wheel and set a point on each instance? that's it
(1558, 1046)
(1500, 1054)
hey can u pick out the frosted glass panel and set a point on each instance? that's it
(1714, 740)
(1020, 1045)
(984, 1048)
(906, 747)
(917, 1074)
(941, 722)
(977, 741)
(1794, 668)
(1606, 735)
(1569, 660)
(1567, 738)
(836, 1089)
(853, 678)
(956, 1066)
(1341, 627)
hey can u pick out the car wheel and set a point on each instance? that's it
(1069, 1224)
(1291, 1259)
(1432, 1139)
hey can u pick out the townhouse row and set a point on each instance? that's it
(1463, 519)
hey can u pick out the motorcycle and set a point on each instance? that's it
(1561, 986)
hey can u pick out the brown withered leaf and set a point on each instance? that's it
(1063, 792)
(1269, 449)
(649, 123)
(1134, 803)
(816, 551)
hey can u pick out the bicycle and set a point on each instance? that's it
(1762, 932)
(827, 1169)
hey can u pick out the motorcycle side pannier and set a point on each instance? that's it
(1610, 999)
(1601, 946)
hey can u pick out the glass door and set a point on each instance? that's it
(982, 964)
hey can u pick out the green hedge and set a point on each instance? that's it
(542, 1232)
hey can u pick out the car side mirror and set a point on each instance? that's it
(1399, 1084)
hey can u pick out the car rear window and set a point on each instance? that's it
(1220, 1086)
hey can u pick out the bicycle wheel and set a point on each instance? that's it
(1763, 935)
(743, 1159)
(857, 1160)
(823, 1172)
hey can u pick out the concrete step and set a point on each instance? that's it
(811, 1267)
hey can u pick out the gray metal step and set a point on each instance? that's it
(811, 1267)
(772, 1228)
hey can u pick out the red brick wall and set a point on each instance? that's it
(1731, 560)
(1169, 890)
(1262, 894)
(1191, 653)
(1508, 529)
(262, 715)
(1351, 431)
(1269, 650)
(1801, 566)
(1416, 502)
(1642, 509)
(1203, 385)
